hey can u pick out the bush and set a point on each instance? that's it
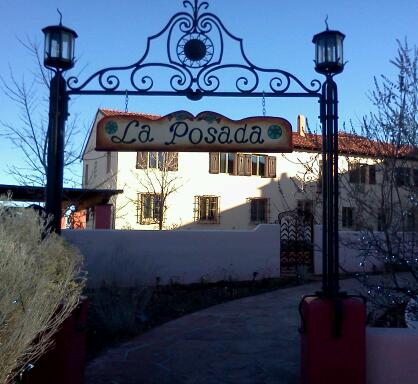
(40, 284)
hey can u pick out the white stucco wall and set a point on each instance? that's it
(194, 179)
(349, 251)
(129, 257)
(392, 355)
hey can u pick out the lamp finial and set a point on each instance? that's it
(60, 16)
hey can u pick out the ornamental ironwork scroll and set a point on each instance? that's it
(296, 241)
(197, 56)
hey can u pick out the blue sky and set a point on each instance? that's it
(276, 34)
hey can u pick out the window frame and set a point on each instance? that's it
(147, 160)
(347, 217)
(257, 201)
(207, 200)
(154, 208)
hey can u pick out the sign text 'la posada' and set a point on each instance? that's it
(183, 132)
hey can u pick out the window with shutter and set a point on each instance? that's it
(213, 162)
(232, 163)
(172, 161)
(152, 159)
(141, 160)
(372, 174)
(162, 158)
(363, 171)
(271, 161)
(223, 162)
(354, 173)
(262, 167)
(247, 165)
(240, 164)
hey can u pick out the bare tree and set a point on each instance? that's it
(391, 132)
(379, 185)
(28, 133)
(158, 179)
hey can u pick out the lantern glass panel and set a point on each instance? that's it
(66, 46)
(54, 51)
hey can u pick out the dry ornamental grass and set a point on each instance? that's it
(40, 284)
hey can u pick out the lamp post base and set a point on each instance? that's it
(333, 340)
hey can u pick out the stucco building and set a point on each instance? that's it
(240, 190)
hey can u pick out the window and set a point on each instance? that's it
(226, 162)
(347, 217)
(206, 209)
(242, 164)
(164, 161)
(402, 175)
(149, 208)
(372, 174)
(153, 159)
(354, 173)
(362, 173)
(259, 210)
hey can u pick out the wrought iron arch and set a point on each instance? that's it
(195, 64)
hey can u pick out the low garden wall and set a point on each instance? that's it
(392, 355)
(349, 251)
(184, 256)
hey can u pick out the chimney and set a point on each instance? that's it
(301, 125)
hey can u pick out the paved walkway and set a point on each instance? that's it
(254, 340)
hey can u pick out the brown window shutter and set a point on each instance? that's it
(240, 164)
(235, 170)
(271, 166)
(247, 165)
(141, 160)
(172, 159)
(213, 162)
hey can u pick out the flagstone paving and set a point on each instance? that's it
(254, 340)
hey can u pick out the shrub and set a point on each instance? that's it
(40, 284)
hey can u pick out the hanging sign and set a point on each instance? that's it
(183, 132)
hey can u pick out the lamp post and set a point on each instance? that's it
(329, 62)
(58, 57)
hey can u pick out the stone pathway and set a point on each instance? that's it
(254, 340)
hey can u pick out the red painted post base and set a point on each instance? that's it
(333, 341)
(64, 363)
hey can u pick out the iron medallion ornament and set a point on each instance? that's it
(195, 50)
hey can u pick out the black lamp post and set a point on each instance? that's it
(329, 62)
(59, 56)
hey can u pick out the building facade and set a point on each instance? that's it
(241, 190)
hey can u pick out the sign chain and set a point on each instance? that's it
(263, 103)
(126, 100)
